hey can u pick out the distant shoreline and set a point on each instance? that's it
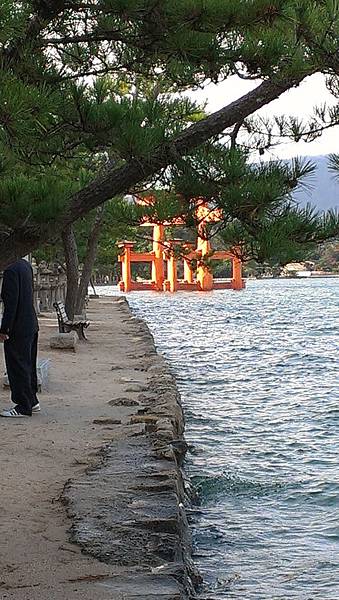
(322, 276)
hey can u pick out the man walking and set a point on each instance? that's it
(19, 332)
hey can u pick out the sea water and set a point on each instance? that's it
(259, 379)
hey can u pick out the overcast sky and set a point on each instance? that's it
(298, 101)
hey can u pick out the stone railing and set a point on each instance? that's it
(49, 287)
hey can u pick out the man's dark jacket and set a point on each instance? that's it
(19, 317)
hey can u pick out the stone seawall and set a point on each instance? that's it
(129, 509)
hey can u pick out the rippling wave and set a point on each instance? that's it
(258, 374)
(217, 486)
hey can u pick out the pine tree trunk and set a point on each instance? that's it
(91, 253)
(92, 286)
(72, 269)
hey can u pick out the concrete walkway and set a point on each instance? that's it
(80, 414)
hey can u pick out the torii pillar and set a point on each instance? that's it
(188, 271)
(204, 275)
(126, 275)
(237, 282)
(158, 263)
(171, 284)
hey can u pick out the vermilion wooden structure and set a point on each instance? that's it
(165, 262)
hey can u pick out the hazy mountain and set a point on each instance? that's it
(324, 189)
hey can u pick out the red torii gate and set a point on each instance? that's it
(163, 254)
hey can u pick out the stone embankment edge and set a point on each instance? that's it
(129, 510)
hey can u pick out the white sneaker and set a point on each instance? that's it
(13, 413)
(36, 407)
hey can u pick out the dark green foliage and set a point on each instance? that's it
(88, 85)
(25, 198)
(259, 217)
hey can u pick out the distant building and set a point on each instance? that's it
(298, 269)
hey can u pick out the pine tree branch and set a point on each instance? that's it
(118, 180)
(89, 38)
(45, 12)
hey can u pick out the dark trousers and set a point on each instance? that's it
(21, 358)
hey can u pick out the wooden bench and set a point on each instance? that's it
(66, 325)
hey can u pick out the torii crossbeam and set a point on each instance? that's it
(164, 260)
